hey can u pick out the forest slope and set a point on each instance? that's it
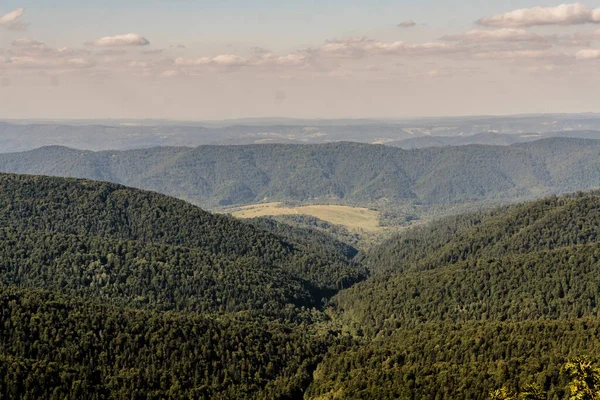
(116, 292)
(472, 303)
(112, 292)
(149, 247)
(350, 173)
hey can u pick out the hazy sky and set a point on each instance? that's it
(186, 59)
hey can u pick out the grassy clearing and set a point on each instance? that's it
(353, 218)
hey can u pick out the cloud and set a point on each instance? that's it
(498, 35)
(321, 57)
(139, 64)
(43, 63)
(227, 60)
(18, 26)
(170, 73)
(520, 54)
(154, 52)
(588, 54)
(260, 50)
(564, 14)
(439, 73)
(12, 16)
(294, 59)
(407, 24)
(27, 42)
(364, 47)
(131, 39)
(79, 63)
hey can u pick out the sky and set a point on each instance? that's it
(224, 59)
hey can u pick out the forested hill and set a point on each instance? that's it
(528, 247)
(147, 248)
(213, 176)
(473, 303)
(112, 292)
(487, 138)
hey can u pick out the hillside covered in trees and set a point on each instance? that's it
(112, 292)
(350, 173)
(472, 303)
(109, 291)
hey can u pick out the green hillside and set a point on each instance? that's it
(133, 224)
(350, 173)
(113, 292)
(54, 347)
(472, 303)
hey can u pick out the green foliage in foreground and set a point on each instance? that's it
(458, 361)
(584, 384)
(53, 347)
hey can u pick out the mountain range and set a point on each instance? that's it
(346, 173)
(97, 135)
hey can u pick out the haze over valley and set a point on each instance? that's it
(22, 135)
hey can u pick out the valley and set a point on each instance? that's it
(355, 219)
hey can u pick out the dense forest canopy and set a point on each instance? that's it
(112, 292)
(473, 303)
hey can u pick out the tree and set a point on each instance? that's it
(585, 379)
(502, 394)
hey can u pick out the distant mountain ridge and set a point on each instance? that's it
(352, 173)
(487, 138)
(98, 135)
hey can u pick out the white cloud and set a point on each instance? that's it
(130, 39)
(579, 39)
(18, 26)
(407, 24)
(498, 35)
(27, 42)
(364, 47)
(439, 73)
(588, 54)
(42, 63)
(169, 73)
(227, 60)
(520, 54)
(564, 14)
(11, 16)
(80, 63)
(139, 64)
(294, 59)
(321, 57)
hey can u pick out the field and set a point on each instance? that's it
(353, 218)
